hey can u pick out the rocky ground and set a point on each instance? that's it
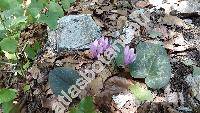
(176, 27)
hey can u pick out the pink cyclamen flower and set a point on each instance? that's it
(129, 55)
(99, 46)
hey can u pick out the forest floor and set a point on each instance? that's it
(139, 20)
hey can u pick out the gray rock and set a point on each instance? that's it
(74, 32)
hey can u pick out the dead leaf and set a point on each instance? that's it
(95, 87)
(48, 102)
(141, 4)
(173, 20)
(98, 11)
(112, 86)
(122, 12)
(34, 71)
(107, 8)
(121, 21)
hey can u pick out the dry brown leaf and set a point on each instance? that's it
(170, 45)
(162, 29)
(148, 107)
(99, 11)
(113, 17)
(173, 20)
(48, 102)
(107, 8)
(34, 71)
(141, 4)
(122, 12)
(121, 21)
(95, 87)
(112, 86)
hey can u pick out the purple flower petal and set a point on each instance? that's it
(126, 56)
(101, 40)
(93, 48)
(100, 49)
(129, 55)
(126, 50)
(105, 45)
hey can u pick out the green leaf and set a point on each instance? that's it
(26, 66)
(152, 63)
(30, 52)
(37, 46)
(71, 1)
(15, 11)
(18, 20)
(8, 4)
(26, 87)
(34, 8)
(7, 95)
(85, 106)
(65, 4)
(50, 18)
(7, 106)
(62, 78)
(9, 45)
(140, 93)
(14, 18)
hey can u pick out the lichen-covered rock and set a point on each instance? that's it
(74, 32)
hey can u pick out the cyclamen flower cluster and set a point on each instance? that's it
(99, 46)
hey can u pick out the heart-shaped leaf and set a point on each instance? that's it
(34, 8)
(62, 78)
(152, 64)
(54, 12)
(7, 95)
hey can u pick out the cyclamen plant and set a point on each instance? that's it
(99, 46)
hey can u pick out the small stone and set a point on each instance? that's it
(74, 32)
(194, 83)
